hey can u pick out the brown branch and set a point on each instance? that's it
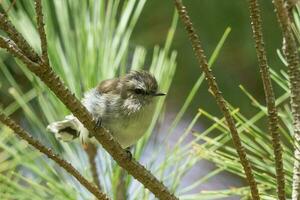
(199, 52)
(291, 53)
(46, 74)
(49, 153)
(256, 23)
(41, 30)
(91, 152)
(12, 32)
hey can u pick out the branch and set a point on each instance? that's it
(269, 95)
(49, 153)
(41, 30)
(12, 32)
(199, 52)
(91, 152)
(46, 74)
(13, 49)
(292, 57)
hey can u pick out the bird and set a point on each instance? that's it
(124, 106)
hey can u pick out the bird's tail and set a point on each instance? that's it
(69, 129)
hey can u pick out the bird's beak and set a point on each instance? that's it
(159, 94)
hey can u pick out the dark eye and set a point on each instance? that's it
(139, 91)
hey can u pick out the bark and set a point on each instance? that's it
(292, 57)
(256, 23)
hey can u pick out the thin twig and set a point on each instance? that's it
(49, 153)
(91, 152)
(291, 53)
(12, 32)
(256, 23)
(10, 6)
(199, 52)
(46, 74)
(41, 30)
(121, 189)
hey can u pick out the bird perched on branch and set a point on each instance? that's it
(124, 106)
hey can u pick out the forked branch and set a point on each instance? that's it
(19, 40)
(199, 52)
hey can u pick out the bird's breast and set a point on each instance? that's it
(127, 129)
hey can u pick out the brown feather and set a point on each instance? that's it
(108, 86)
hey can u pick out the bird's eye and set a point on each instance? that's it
(139, 91)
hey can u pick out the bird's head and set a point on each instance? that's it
(141, 86)
(137, 89)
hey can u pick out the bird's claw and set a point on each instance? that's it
(98, 122)
(98, 125)
(128, 152)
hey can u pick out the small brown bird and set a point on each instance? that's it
(124, 106)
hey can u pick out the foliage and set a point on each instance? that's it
(89, 41)
(216, 146)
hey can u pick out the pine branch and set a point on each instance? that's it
(46, 74)
(12, 32)
(292, 57)
(49, 153)
(199, 52)
(256, 23)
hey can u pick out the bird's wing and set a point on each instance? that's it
(108, 86)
